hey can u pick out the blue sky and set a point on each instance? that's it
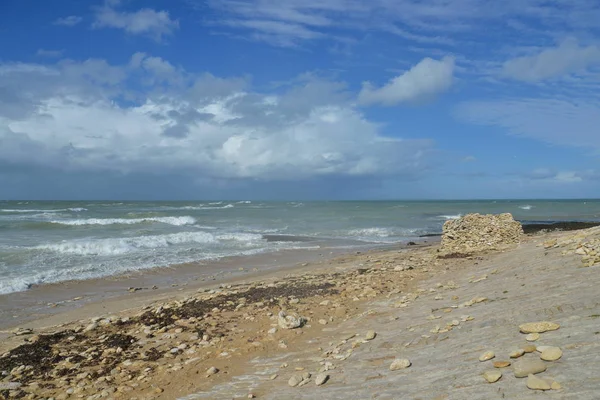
(304, 99)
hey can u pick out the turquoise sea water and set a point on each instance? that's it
(43, 242)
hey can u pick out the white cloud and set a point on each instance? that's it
(572, 122)
(423, 81)
(414, 20)
(68, 117)
(142, 22)
(49, 53)
(71, 20)
(552, 176)
(568, 57)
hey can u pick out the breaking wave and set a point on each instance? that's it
(177, 221)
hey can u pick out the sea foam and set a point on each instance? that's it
(117, 246)
(177, 221)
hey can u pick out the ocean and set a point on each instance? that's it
(47, 242)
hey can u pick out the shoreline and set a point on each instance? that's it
(46, 300)
(225, 340)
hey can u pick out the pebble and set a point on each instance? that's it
(9, 385)
(323, 321)
(525, 367)
(530, 348)
(321, 379)
(555, 386)
(501, 364)
(211, 371)
(273, 377)
(532, 337)
(370, 335)
(538, 327)
(492, 376)
(535, 383)
(91, 327)
(401, 363)
(516, 353)
(488, 355)
(551, 354)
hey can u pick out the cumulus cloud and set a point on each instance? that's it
(76, 116)
(424, 81)
(146, 21)
(71, 20)
(568, 57)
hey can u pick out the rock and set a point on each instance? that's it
(211, 371)
(321, 379)
(551, 354)
(9, 385)
(516, 353)
(251, 396)
(488, 355)
(524, 367)
(91, 327)
(370, 335)
(532, 337)
(323, 322)
(538, 327)
(535, 383)
(289, 321)
(530, 348)
(501, 364)
(22, 331)
(555, 386)
(401, 363)
(492, 376)
(476, 232)
(273, 377)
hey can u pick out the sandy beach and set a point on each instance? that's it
(352, 317)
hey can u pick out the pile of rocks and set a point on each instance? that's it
(585, 243)
(475, 233)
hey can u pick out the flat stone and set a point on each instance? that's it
(492, 376)
(516, 353)
(9, 385)
(321, 379)
(532, 337)
(538, 327)
(530, 348)
(370, 335)
(295, 380)
(540, 349)
(502, 364)
(401, 363)
(488, 355)
(551, 354)
(535, 383)
(555, 386)
(525, 367)
(211, 371)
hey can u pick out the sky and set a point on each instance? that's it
(299, 99)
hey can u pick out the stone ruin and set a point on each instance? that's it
(475, 233)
